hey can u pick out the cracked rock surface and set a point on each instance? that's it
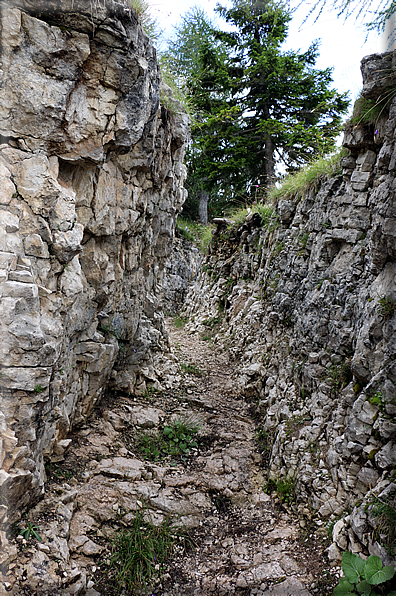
(246, 541)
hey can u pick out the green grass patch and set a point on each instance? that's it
(339, 375)
(212, 322)
(266, 211)
(180, 321)
(195, 232)
(138, 554)
(369, 111)
(296, 185)
(264, 442)
(149, 24)
(206, 336)
(284, 488)
(191, 369)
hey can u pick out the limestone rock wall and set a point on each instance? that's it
(91, 168)
(181, 268)
(308, 304)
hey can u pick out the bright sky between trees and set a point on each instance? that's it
(343, 43)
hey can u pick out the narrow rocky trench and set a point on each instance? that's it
(245, 541)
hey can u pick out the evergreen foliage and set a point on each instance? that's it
(373, 15)
(254, 104)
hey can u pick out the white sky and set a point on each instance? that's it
(342, 44)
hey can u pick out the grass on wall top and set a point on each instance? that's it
(294, 186)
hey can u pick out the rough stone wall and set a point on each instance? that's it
(181, 268)
(91, 182)
(308, 308)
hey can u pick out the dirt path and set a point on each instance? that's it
(246, 542)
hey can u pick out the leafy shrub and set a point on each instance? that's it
(361, 575)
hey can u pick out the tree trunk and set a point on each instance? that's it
(203, 207)
(269, 165)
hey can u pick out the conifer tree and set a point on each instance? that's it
(255, 104)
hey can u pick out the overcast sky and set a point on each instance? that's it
(342, 44)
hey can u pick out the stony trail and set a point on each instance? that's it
(246, 541)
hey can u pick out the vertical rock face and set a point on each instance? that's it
(91, 181)
(309, 303)
(181, 268)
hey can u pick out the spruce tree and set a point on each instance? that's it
(255, 105)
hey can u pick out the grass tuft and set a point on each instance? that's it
(195, 232)
(294, 186)
(148, 22)
(180, 321)
(139, 553)
(191, 369)
(383, 514)
(268, 216)
(387, 306)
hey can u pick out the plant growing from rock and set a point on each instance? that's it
(361, 576)
(383, 513)
(339, 375)
(295, 185)
(180, 321)
(284, 487)
(139, 553)
(387, 306)
(30, 531)
(176, 440)
(149, 24)
(150, 445)
(192, 369)
(179, 436)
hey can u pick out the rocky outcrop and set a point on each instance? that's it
(92, 173)
(181, 268)
(307, 301)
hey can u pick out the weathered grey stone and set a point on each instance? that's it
(307, 321)
(386, 457)
(86, 227)
(286, 210)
